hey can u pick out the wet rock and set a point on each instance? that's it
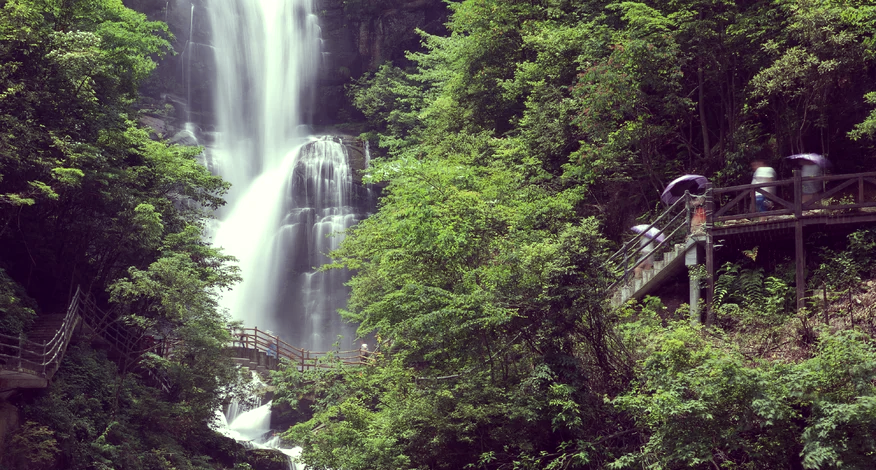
(159, 126)
(267, 459)
(223, 450)
(184, 137)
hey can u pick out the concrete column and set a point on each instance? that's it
(692, 258)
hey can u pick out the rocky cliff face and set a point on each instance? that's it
(358, 35)
(360, 38)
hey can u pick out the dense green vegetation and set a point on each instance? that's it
(87, 199)
(515, 151)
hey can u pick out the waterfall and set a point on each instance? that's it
(251, 425)
(290, 189)
(186, 57)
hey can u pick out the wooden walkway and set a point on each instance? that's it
(262, 351)
(31, 363)
(730, 213)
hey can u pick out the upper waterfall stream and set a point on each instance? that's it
(290, 190)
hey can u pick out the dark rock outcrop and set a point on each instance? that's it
(360, 41)
(267, 459)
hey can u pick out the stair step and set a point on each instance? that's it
(52, 316)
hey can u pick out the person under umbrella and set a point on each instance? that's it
(695, 184)
(811, 165)
(648, 242)
(763, 174)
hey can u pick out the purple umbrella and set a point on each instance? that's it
(676, 188)
(811, 158)
(654, 233)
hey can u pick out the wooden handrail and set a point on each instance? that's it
(741, 206)
(272, 345)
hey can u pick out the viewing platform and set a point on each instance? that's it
(729, 215)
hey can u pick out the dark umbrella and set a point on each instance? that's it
(653, 234)
(676, 188)
(811, 158)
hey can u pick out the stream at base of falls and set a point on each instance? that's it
(250, 424)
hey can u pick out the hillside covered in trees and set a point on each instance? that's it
(515, 152)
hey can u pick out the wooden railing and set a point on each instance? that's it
(838, 192)
(273, 346)
(41, 360)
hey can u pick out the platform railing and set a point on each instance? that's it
(273, 346)
(837, 192)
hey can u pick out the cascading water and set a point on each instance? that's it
(251, 425)
(289, 190)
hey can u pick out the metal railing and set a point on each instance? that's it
(273, 346)
(674, 224)
(41, 359)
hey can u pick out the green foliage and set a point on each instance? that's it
(76, 174)
(520, 139)
(91, 417)
(17, 310)
(88, 199)
(495, 348)
(706, 405)
(32, 446)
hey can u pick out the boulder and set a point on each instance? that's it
(267, 459)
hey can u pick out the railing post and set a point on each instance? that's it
(710, 254)
(688, 215)
(799, 252)
(798, 194)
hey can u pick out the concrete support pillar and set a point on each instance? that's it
(693, 257)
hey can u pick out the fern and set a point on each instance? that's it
(750, 286)
(725, 284)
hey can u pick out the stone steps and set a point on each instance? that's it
(651, 278)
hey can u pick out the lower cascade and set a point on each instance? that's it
(249, 423)
(281, 229)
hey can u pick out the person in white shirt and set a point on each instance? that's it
(763, 174)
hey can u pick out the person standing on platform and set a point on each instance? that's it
(811, 188)
(763, 174)
(812, 165)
